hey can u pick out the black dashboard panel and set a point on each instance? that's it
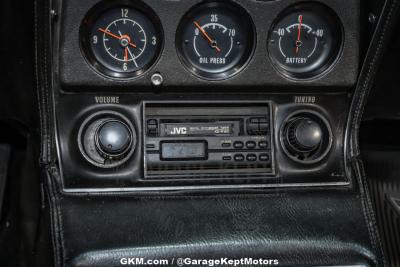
(134, 155)
(305, 118)
(75, 73)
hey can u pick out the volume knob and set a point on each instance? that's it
(113, 139)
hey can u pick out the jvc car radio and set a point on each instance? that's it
(207, 140)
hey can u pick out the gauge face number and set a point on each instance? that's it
(123, 42)
(211, 41)
(305, 42)
(211, 52)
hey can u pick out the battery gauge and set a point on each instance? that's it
(305, 40)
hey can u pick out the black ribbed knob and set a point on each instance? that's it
(113, 139)
(305, 135)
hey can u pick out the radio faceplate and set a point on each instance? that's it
(193, 156)
(207, 140)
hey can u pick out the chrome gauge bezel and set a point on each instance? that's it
(92, 17)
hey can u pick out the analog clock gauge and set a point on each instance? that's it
(121, 41)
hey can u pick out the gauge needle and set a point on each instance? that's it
(298, 42)
(205, 34)
(130, 53)
(126, 54)
(116, 36)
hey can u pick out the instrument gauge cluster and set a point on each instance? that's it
(214, 40)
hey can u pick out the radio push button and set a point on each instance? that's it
(251, 144)
(150, 146)
(226, 144)
(263, 144)
(263, 126)
(264, 157)
(252, 126)
(226, 158)
(238, 157)
(251, 157)
(152, 127)
(257, 126)
(238, 145)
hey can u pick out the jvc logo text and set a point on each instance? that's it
(179, 130)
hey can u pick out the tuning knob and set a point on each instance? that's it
(113, 139)
(305, 135)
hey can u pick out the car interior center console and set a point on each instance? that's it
(223, 94)
(194, 121)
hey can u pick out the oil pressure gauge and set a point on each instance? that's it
(215, 40)
(305, 41)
